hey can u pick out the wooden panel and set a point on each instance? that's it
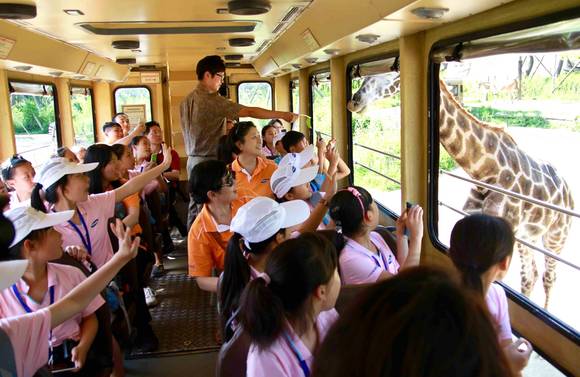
(65, 112)
(103, 107)
(7, 141)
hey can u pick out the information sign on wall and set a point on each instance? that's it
(136, 113)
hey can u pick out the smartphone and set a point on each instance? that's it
(154, 157)
(318, 135)
(409, 205)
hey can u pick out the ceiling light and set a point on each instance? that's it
(79, 77)
(332, 51)
(430, 13)
(249, 7)
(12, 11)
(286, 69)
(73, 12)
(220, 48)
(367, 38)
(241, 42)
(55, 74)
(222, 11)
(23, 68)
(311, 60)
(297, 66)
(126, 60)
(234, 57)
(126, 45)
(233, 65)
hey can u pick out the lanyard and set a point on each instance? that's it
(86, 241)
(301, 361)
(386, 265)
(28, 310)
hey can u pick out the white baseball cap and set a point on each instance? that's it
(11, 271)
(299, 159)
(57, 167)
(288, 176)
(27, 219)
(262, 217)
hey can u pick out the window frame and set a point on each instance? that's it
(311, 99)
(254, 82)
(134, 87)
(57, 122)
(433, 146)
(290, 89)
(350, 138)
(91, 91)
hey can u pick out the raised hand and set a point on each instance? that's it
(127, 248)
(78, 253)
(166, 156)
(414, 221)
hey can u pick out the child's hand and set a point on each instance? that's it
(518, 354)
(79, 356)
(166, 156)
(400, 224)
(127, 249)
(320, 145)
(414, 222)
(333, 157)
(78, 253)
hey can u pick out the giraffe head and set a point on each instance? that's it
(374, 88)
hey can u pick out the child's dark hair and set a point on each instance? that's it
(291, 139)
(212, 64)
(14, 162)
(265, 129)
(7, 231)
(149, 125)
(238, 133)
(237, 274)
(119, 150)
(136, 140)
(295, 269)
(50, 194)
(15, 252)
(477, 243)
(118, 114)
(206, 176)
(103, 154)
(224, 150)
(109, 125)
(419, 323)
(346, 211)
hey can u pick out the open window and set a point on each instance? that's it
(83, 116)
(256, 94)
(136, 102)
(34, 110)
(505, 140)
(375, 121)
(320, 96)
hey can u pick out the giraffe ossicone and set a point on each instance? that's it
(489, 154)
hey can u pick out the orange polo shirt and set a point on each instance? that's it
(250, 186)
(205, 245)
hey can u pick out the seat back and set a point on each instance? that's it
(233, 354)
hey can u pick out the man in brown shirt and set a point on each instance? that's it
(202, 116)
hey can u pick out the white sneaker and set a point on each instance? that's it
(150, 298)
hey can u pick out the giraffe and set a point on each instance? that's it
(489, 154)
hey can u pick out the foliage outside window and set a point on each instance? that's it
(255, 94)
(33, 116)
(378, 127)
(321, 105)
(534, 98)
(82, 116)
(134, 96)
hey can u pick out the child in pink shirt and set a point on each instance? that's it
(44, 283)
(287, 317)
(481, 248)
(365, 257)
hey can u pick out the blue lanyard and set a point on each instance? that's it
(301, 361)
(382, 258)
(28, 310)
(86, 241)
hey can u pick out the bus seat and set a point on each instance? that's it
(347, 295)
(387, 232)
(233, 354)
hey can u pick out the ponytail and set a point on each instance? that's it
(36, 201)
(236, 275)
(471, 278)
(293, 272)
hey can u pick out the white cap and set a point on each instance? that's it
(27, 219)
(288, 176)
(57, 167)
(11, 271)
(278, 137)
(262, 217)
(299, 159)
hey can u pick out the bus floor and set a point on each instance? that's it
(200, 364)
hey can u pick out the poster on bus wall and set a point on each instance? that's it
(137, 113)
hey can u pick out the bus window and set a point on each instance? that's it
(83, 116)
(521, 164)
(135, 101)
(33, 116)
(376, 131)
(295, 96)
(321, 104)
(255, 94)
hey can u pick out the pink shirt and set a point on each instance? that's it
(96, 211)
(63, 278)
(359, 265)
(24, 332)
(497, 305)
(267, 152)
(279, 359)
